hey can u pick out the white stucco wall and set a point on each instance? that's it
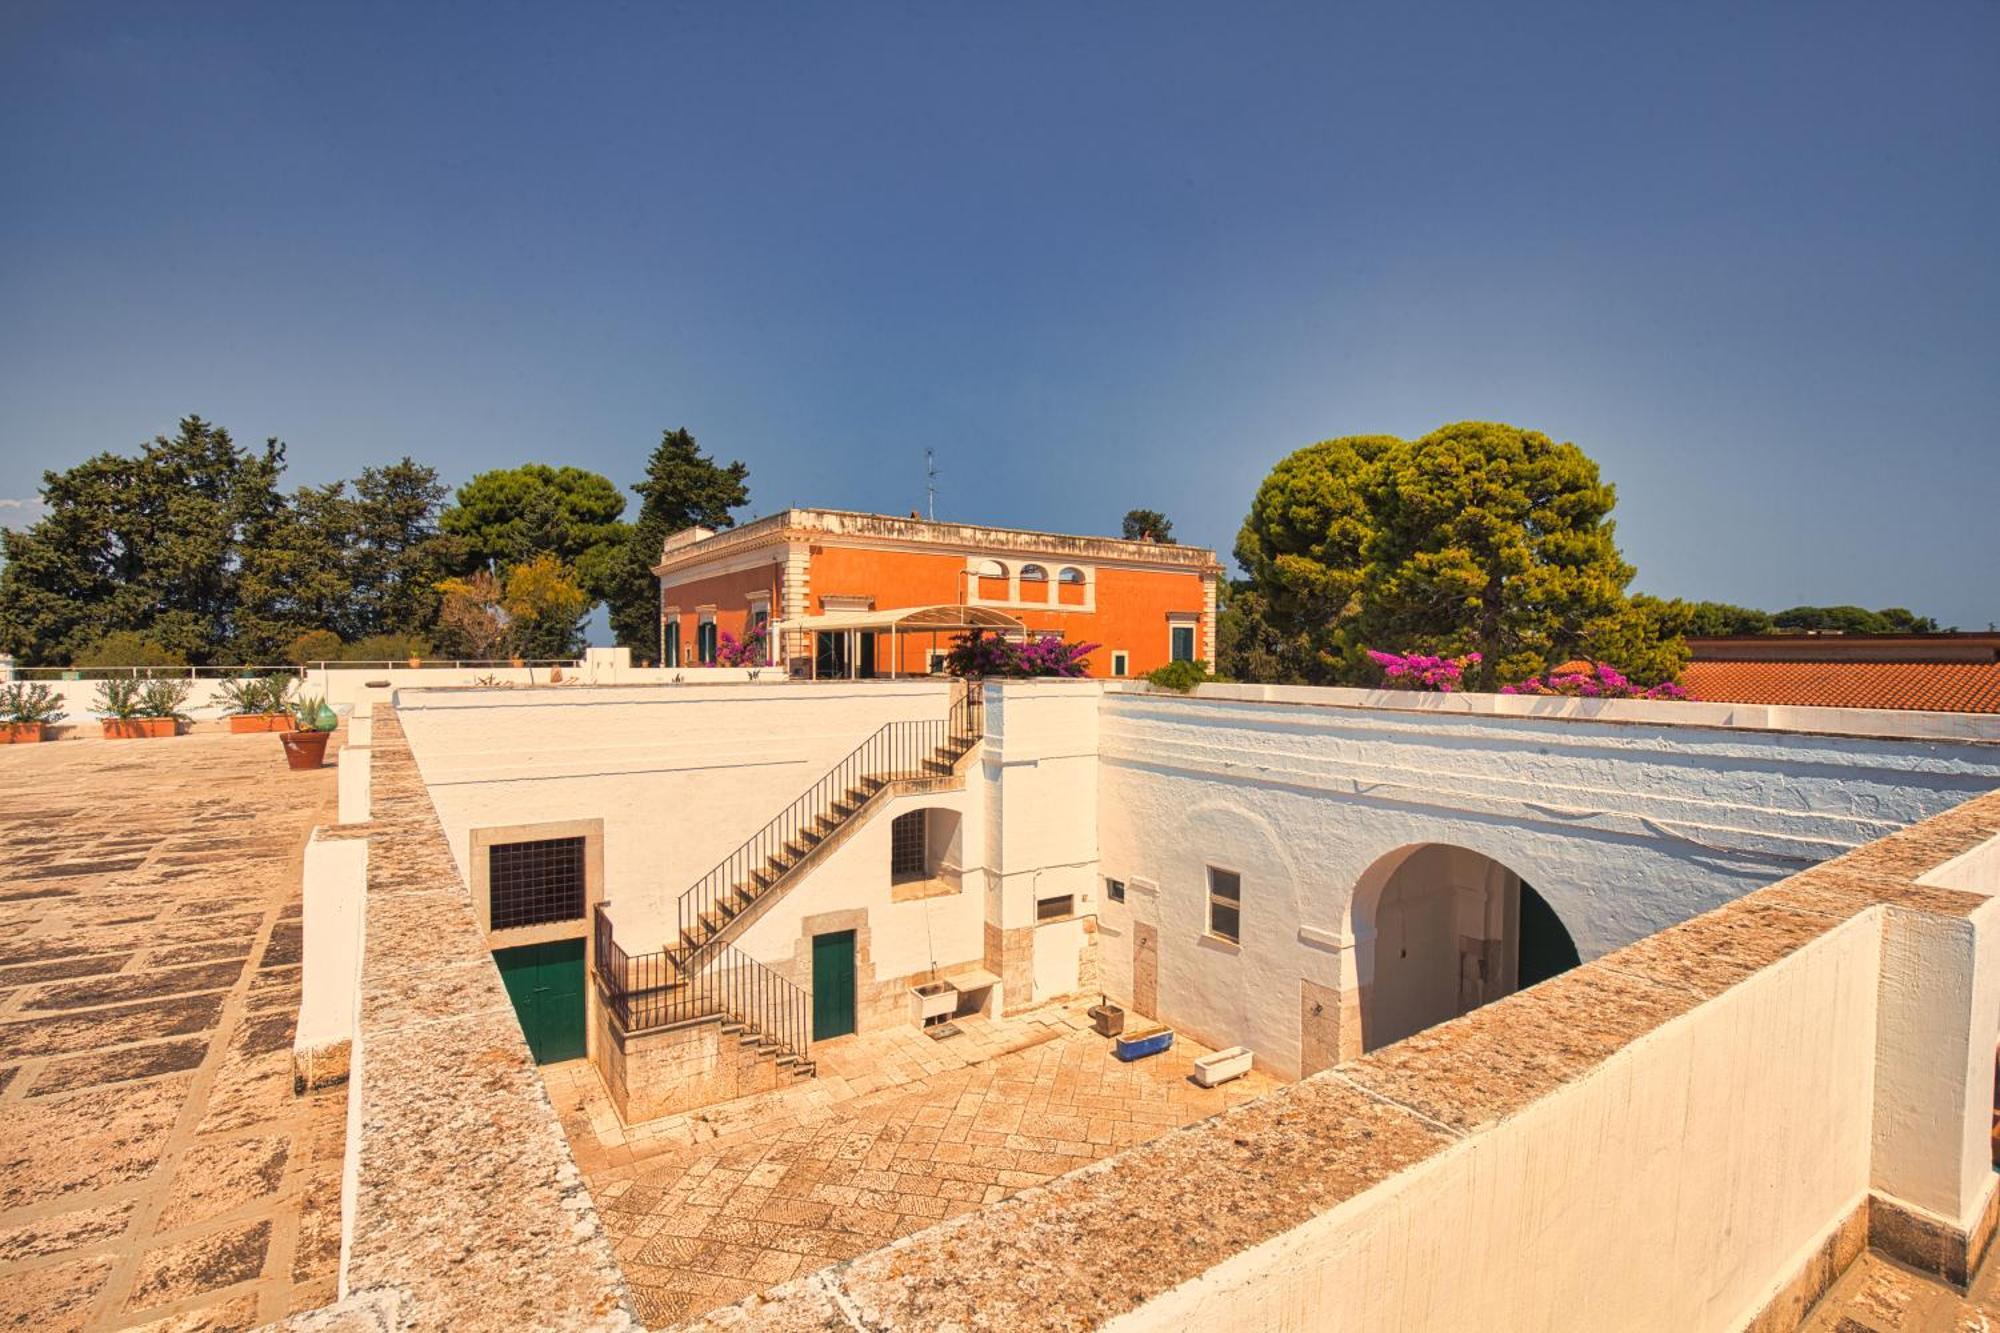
(681, 775)
(905, 937)
(1940, 1005)
(1622, 826)
(1672, 1188)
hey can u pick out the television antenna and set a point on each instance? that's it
(931, 473)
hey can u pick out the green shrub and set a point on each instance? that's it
(396, 648)
(247, 695)
(128, 648)
(315, 645)
(163, 698)
(119, 697)
(1180, 677)
(31, 703)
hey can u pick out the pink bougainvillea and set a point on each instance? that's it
(978, 655)
(747, 651)
(1422, 671)
(1600, 682)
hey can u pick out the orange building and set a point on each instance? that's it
(842, 594)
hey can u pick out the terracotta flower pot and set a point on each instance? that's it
(305, 750)
(239, 723)
(20, 733)
(137, 728)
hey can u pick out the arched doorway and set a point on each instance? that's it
(1546, 949)
(1441, 930)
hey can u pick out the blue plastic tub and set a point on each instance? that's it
(1139, 1045)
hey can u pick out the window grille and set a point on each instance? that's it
(529, 883)
(906, 845)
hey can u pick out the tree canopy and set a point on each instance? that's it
(1148, 525)
(509, 515)
(1479, 537)
(682, 488)
(150, 543)
(192, 548)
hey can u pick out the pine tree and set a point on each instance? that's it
(683, 488)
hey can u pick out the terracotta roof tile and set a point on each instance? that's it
(1943, 687)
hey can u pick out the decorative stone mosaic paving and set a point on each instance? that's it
(898, 1133)
(156, 1170)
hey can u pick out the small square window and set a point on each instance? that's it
(1121, 663)
(1114, 889)
(1225, 904)
(1054, 909)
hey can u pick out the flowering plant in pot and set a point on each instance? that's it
(258, 703)
(142, 709)
(25, 711)
(305, 744)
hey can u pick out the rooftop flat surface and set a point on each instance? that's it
(898, 1133)
(155, 1168)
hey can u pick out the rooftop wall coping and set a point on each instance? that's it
(467, 1208)
(818, 524)
(1061, 1256)
(414, 697)
(1873, 723)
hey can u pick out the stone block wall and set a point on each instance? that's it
(695, 1064)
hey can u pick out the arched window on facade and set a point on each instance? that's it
(992, 580)
(1034, 583)
(1070, 586)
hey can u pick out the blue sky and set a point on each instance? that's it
(1097, 256)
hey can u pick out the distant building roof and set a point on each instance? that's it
(1943, 673)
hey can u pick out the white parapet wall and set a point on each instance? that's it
(1625, 817)
(335, 891)
(355, 762)
(1672, 1188)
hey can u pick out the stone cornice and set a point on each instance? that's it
(842, 527)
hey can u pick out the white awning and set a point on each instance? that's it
(908, 619)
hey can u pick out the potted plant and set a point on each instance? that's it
(257, 703)
(142, 709)
(305, 744)
(26, 711)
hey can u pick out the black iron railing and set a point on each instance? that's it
(899, 751)
(647, 991)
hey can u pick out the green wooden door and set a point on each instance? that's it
(545, 982)
(833, 985)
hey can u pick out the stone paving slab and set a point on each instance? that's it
(902, 1132)
(156, 1170)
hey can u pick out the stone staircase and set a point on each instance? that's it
(724, 902)
(699, 977)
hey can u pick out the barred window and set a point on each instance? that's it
(529, 883)
(906, 845)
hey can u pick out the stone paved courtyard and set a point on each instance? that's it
(155, 1168)
(899, 1133)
